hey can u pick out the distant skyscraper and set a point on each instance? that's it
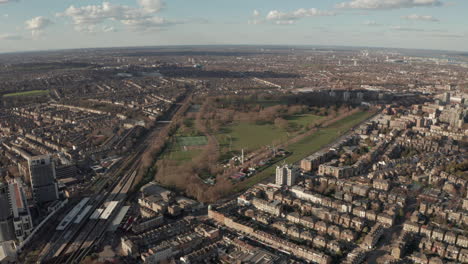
(43, 179)
(285, 175)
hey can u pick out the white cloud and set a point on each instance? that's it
(400, 28)
(10, 37)
(285, 22)
(371, 23)
(108, 29)
(388, 4)
(421, 18)
(256, 18)
(449, 35)
(7, 1)
(288, 18)
(146, 24)
(151, 6)
(300, 13)
(37, 25)
(86, 18)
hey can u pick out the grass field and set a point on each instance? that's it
(251, 136)
(305, 119)
(28, 93)
(192, 141)
(177, 152)
(181, 156)
(309, 145)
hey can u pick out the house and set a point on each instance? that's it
(379, 184)
(440, 248)
(321, 227)
(319, 241)
(419, 258)
(452, 252)
(386, 219)
(334, 231)
(371, 239)
(450, 237)
(463, 255)
(411, 227)
(348, 235)
(371, 215)
(334, 246)
(357, 223)
(426, 230)
(462, 241)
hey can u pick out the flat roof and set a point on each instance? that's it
(72, 214)
(109, 209)
(83, 213)
(96, 214)
(118, 219)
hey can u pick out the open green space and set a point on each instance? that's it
(181, 156)
(304, 119)
(251, 136)
(28, 93)
(192, 141)
(309, 145)
(183, 149)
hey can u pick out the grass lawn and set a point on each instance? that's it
(181, 156)
(28, 93)
(304, 120)
(192, 141)
(309, 145)
(250, 136)
(177, 152)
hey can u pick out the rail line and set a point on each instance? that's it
(85, 234)
(76, 241)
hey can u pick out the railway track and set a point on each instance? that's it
(75, 242)
(84, 236)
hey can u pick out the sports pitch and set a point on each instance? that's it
(192, 141)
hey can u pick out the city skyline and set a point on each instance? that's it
(51, 24)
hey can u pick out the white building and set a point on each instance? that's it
(22, 221)
(286, 175)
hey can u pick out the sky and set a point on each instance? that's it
(27, 25)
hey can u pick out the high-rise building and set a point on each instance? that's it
(286, 175)
(15, 218)
(6, 217)
(43, 179)
(346, 96)
(22, 221)
(447, 98)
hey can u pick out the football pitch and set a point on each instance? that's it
(191, 141)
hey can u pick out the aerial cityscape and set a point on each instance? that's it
(119, 147)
